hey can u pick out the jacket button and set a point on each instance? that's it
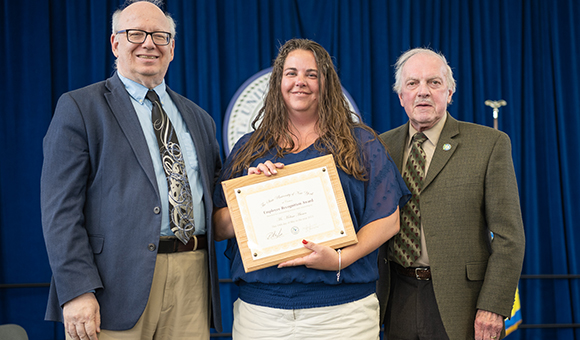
(156, 210)
(152, 246)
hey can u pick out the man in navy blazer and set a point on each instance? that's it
(118, 271)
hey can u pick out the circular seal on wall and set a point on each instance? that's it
(245, 104)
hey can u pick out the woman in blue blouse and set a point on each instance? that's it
(305, 115)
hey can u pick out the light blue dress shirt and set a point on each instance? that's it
(143, 108)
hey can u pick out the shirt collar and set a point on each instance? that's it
(138, 91)
(432, 134)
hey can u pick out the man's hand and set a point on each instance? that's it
(82, 317)
(488, 325)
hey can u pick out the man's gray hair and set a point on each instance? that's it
(407, 55)
(158, 3)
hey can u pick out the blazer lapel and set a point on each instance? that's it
(121, 107)
(444, 150)
(397, 149)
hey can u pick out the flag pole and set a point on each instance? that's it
(511, 323)
(495, 105)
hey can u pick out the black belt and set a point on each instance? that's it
(169, 245)
(420, 273)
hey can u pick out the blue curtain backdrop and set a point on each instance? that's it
(523, 51)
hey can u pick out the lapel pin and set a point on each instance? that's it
(446, 147)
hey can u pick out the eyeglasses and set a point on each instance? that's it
(139, 36)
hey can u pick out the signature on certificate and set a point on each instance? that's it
(274, 235)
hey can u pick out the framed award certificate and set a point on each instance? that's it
(272, 215)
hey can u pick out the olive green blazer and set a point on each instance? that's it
(470, 190)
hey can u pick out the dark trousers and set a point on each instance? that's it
(412, 311)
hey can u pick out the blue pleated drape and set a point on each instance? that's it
(526, 52)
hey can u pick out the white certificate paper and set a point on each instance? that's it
(289, 209)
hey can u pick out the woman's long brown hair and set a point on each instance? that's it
(335, 119)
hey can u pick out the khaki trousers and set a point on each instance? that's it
(178, 306)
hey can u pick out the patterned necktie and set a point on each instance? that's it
(180, 202)
(407, 243)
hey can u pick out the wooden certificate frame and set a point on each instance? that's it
(272, 215)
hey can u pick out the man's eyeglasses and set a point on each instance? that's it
(139, 36)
